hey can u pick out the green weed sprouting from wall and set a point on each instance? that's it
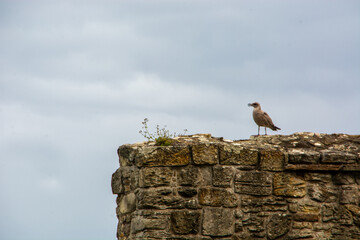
(161, 136)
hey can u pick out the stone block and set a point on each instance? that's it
(187, 238)
(222, 176)
(355, 211)
(263, 205)
(205, 154)
(218, 222)
(205, 176)
(322, 192)
(303, 156)
(338, 157)
(130, 178)
(253, 183)
(302, 225)
(163, 198)
(158, 156)
(116, 183)
(188, 176)
(149, 220)
(156, 176)
(187, 192)
(127, 203)
(124, 180)
(256, 226)
(272, 160)
(238, 155)
(217, 197)
(185, 222)
(192, 204)
(306, 217)
(126, 155)
(345, 232)
(318, 177)
(337, 214)
(349, 194)
(278, 225)
(305, 205)
(289, 185)
(239, 227)
(343, 179)
(240, 236)
(300, 234)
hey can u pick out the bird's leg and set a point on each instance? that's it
(258, 130)
(265, 131)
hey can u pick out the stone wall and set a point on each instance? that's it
(301, 186)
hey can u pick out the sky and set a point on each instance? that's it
(77, 78)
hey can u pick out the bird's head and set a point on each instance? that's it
(254, 104)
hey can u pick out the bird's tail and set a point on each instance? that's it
(275, 128)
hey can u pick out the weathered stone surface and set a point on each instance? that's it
(278, 225)
(272, 160)
(304, 205)
(316, 167)
(192, 204)
(345, 232)
(163, 198)
(322, 192)
(336, 214)
(205, 176)
(306, 217)
(349, 194)
(124, 180)
(289, 185)
(343, 179)
(188, 176)
(127, 203)
(318, 177)
(301, 155)
(149, 220)
(355, 211)
(124, 227)
(263, 204)
(217, 197)
(116, 183)
(130, 178)
(300, 234)
(334, 156)
(188, 238)
(239, 227)
(185, 222)
(238, 155)
(255, 225)
(205, 154)
(222, 176)
(153, 177)
(126, 155)
(301, 186)
(302, 225)
(253, 183)
(151, 234)
(218, 222)
(187, 192)
(155, 156)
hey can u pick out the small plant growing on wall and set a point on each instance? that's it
(161, 136)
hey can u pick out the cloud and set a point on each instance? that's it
(78, 77)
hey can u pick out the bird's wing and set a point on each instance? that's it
(267, 119)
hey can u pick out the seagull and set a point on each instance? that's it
(261, 118)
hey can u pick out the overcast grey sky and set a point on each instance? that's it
(78, 77)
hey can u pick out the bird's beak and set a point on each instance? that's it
(250, 104)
